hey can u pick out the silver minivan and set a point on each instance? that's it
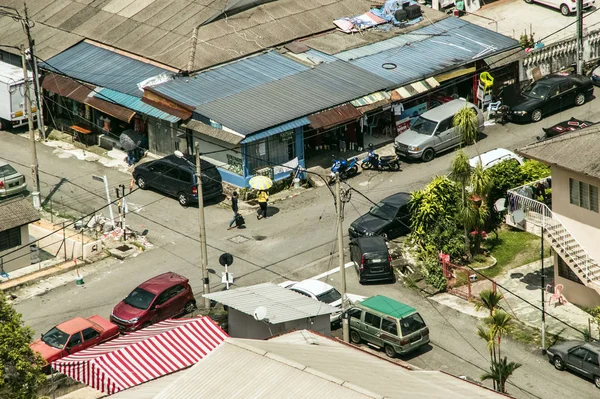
(433, 131)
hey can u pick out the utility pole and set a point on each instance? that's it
(543, 296)
(203, 250)
(35, 176)
(36, 77)
(340, 238)
(580, 37)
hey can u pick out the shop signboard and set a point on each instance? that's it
(404, 119)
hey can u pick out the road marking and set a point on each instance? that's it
(332, 271)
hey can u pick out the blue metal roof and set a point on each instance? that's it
(134, 103)
(271, 104)
(230, 79)
(103, 68)
(277, 129)
(447, 44)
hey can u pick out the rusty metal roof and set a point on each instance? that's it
(67, 87)
(111, 109)
(334, 116)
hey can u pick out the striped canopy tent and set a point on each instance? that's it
(144, 355)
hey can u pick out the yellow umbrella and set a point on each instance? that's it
(261, 182)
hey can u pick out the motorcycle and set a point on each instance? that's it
(346, 168)
(374, 161)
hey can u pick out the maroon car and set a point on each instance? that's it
(164, 296)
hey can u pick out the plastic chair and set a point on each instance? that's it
(558, 295)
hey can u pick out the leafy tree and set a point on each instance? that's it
(489, 300)
(505, 176)
(500, 323)
(499, 372)
(487, 335)
(20, 367)
(466, 122)
(533, 170)
(461, 173)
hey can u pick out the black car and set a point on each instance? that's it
(177, 177)
(550, 94)
(390, 218)
(371, 259)
(581, 357)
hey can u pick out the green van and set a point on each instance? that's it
(388, 324)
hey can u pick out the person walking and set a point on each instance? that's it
(234, 208)
(263, 197)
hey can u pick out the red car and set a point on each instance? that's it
(164, 296)
(74, 335)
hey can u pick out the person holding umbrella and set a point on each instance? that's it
(262, 184)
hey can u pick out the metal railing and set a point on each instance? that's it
(539, 213)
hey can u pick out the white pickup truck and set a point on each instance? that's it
(12, 96)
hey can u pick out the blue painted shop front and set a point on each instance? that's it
(267, 152)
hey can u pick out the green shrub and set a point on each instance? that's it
(434, 275)
(533, 170)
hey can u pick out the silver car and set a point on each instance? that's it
(433, 131)
(581, 357)
(11, 181)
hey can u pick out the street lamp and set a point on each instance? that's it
(203, 250)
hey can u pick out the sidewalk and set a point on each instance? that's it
(525, 281)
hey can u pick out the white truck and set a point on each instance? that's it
(12, 96)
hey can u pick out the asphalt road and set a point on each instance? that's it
(293, 244)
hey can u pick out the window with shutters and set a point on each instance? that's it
(10, 238)
(583, 195)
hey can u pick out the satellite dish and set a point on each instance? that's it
(260, 313)
(518, 216)
(500, 205)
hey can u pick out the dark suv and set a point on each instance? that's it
(177, 177)
(164, 296)
(390, 218)
(371, 259)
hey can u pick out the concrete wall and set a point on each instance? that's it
(576, 293)
(241, 325)
(560, 197)
(77, 247)
(21, 257)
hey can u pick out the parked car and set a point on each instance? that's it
(550, 94)
(371, 259)
(566, 7)
(11, 181)
(73, 336)
(164, 296)
(433, 131)
(578, 356)
(177, 177)
(321, 291)
(388, 324)
(390, 218)
(494, 157)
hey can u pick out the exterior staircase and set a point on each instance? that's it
(539, 219)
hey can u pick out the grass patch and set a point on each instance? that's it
(532, 336)
(513, 248)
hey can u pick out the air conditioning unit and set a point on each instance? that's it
(108, 142)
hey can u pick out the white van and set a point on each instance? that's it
(566, 7)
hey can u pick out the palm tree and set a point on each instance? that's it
(466, 122)
(500, 372)
(461, 173)
(489, 300)
(500, 323)
(488, 336)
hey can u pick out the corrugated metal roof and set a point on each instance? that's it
(103, 67)
(213, 132)
(334, 116)
(304, 93)
(282, 304)
(134, 103)
(277, 129)
(114, 110)
(67, 87)
(454, 42)
(246, 372)
(229, 79)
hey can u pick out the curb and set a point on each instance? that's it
(14, 284)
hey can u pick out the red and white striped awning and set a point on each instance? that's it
(144, 355)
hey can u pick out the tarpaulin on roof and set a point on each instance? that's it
(144, 355)
(334, 116)
(371, 99)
